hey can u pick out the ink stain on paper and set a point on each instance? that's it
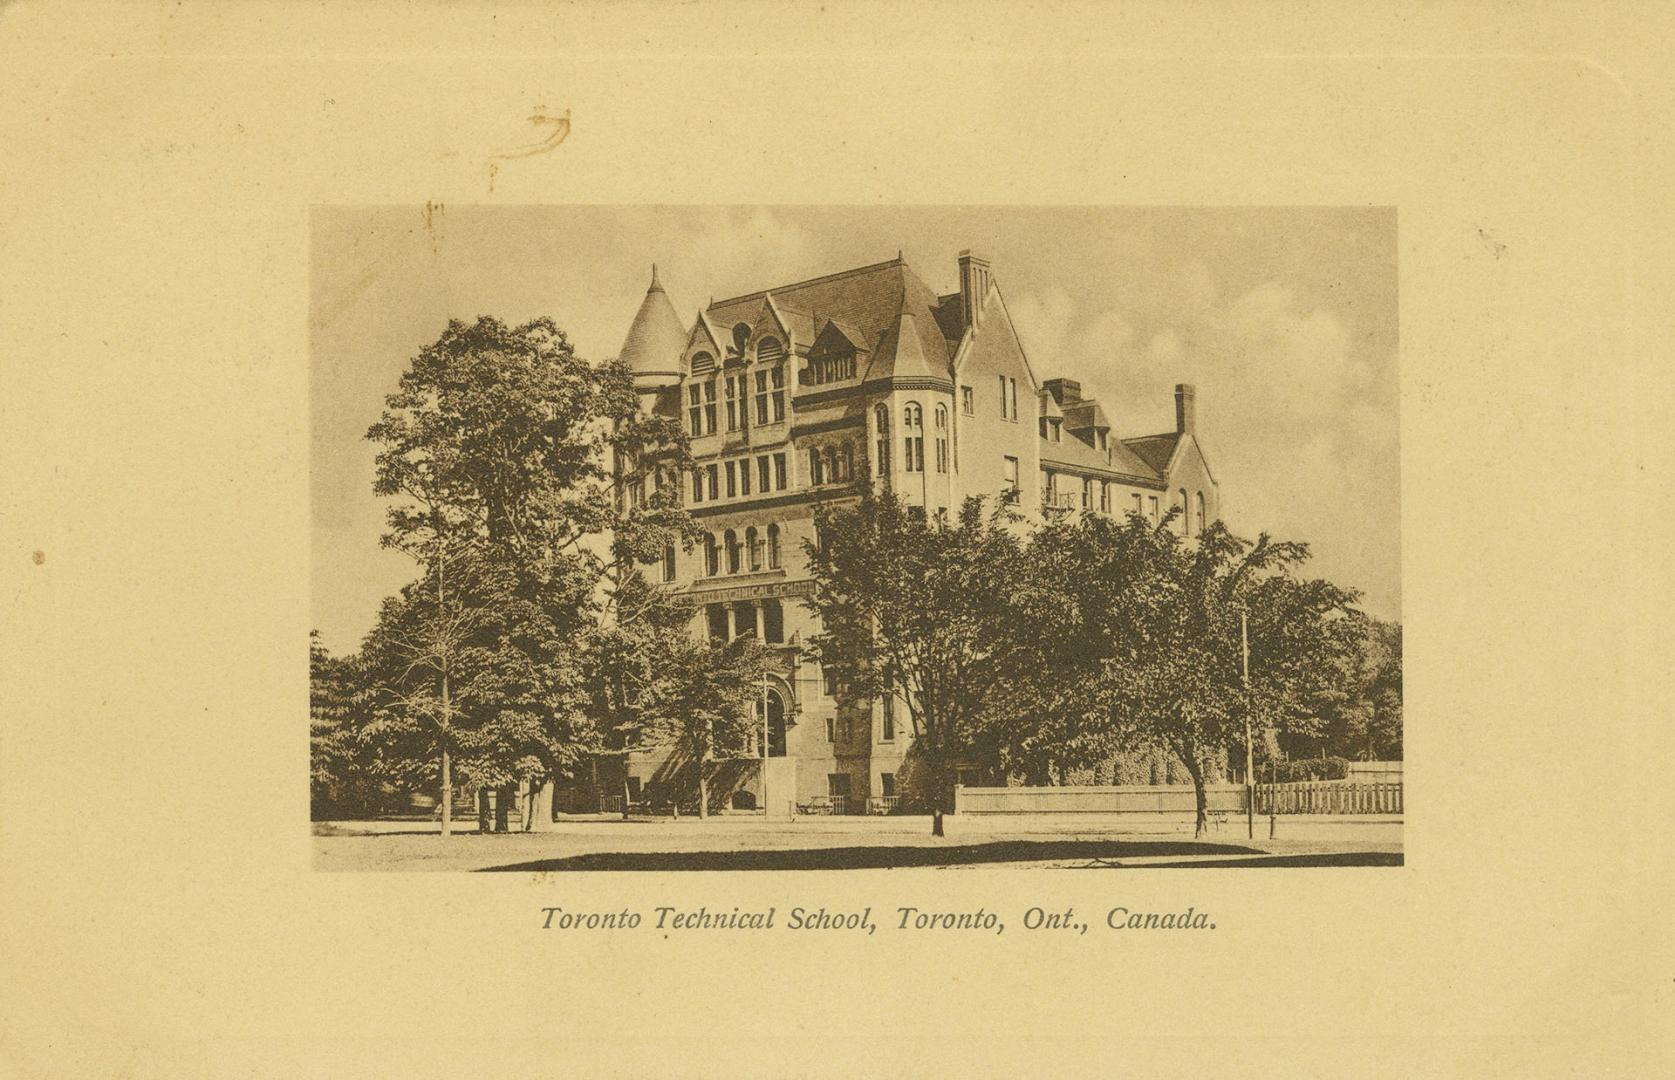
(557, 130)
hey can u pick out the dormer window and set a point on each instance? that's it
(702, 362)
(831, 365)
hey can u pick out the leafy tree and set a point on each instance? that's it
(337, 763)
(907, 607)
(1184, 690)
(1139, 646)
(514, 470)
(704, 706)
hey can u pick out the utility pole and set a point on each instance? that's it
(1250, 785)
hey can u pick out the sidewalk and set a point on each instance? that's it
(745, 842)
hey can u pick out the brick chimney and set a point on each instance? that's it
(1184, 419)
(974, 282)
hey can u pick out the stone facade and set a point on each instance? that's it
(798, 395)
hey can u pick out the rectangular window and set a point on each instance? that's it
(828, 680)
(732, 404)
(732, 481)
(913, 457)
(1003, 415)
(831, 729)
(966, 405)
(815, 476)
(779, 393)
(887, 720)
(1104, 497)
(716, 614)
(761, 397)
(1049, 484)
(762, 476)
(1012, 398)
(1010, 492)
(712, 486)
(779, 472)
(744, 476)
(1151, 504)
(697, 486)
(942, 455)
(1087, 493)
(695, 411)
(887, 785)
(668, 562)
(837, 785)
(709, 407)
(1138, 509)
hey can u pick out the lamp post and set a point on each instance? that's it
(1250, 785)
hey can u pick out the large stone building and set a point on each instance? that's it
(803, 393)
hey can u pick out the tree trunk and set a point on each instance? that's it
(484, 825)
(447, 773)
(703, 791)
(447, 794)
(625, 785)
(1195, 769)
(503, 796)
(936, 821)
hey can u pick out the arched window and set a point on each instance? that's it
(1201, 522)
(941, 438)
(773, 547)
(831, 456)
(754, 546)
(702, 362)
(712, 556)
(770, 714)
(816, 470)
(881, 417)
(1186, 513)
(913, 443)
(848, 460)
(769, 350)
(732, 539)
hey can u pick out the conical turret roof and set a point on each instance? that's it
(656, 339)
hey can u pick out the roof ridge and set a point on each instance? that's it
(822, 279)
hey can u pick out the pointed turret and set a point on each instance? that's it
(655, 340)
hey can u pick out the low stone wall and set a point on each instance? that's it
(1122, 799)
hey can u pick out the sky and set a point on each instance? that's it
(1284, 319)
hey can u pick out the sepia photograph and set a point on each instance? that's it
(780, 537)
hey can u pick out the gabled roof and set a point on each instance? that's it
(1049, 405)
(867, 303)
(1155, 450)
(1074, 453)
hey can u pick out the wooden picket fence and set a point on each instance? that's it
(1329, 797)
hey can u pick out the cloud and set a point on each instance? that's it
(1298, 419)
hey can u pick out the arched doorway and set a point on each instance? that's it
(776, 723)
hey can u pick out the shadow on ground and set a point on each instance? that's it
(878, 857)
